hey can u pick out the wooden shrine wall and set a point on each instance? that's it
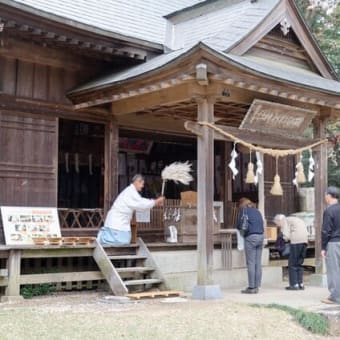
(28, 160)
(287, 203)
(30, 80)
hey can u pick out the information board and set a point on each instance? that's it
(22, 224)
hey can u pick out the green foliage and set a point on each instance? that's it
(313, 322)
(29, 291)
(326, 29)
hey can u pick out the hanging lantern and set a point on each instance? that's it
(276, 189)
(250, 178)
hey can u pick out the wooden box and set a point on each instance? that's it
(188, 198)
(271, 233)
(187, 227)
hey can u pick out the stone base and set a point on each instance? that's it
(319, 280)
(12, 299)
(211, 292)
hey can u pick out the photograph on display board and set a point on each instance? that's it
(23, 224)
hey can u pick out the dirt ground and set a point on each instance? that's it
(98, 316)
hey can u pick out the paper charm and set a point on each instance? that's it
(232, 164)
(311, 166)
(259, 167)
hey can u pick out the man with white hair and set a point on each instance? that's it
(295, 230)
(330, 244)
(117, 228)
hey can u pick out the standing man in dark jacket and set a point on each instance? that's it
(253, 244)
(330, 242)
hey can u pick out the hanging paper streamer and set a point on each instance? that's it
(90, 164)
(67, 167)
(250, 178)
(232, 164)
(276, 189)
(259, 167)
(311, 166)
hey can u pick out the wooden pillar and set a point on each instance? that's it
(111, 163)
(205, 210)
(14, 268)
(320, 186)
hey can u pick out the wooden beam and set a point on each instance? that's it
(47, 56)
(171, 95)
(111, 163)
(14, 265)
(251, 136)
(60, 277)
(320, 186)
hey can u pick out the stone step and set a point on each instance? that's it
(135, 270)
(142, 282)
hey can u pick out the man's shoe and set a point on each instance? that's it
(296, 287)
(328, 301)
(301, 286)
(250, 291)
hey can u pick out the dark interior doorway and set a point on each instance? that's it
(80, 164)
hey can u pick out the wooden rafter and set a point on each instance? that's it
(53, 36)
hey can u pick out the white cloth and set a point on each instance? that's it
(120, 214)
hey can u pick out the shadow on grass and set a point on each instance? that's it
(313, 322)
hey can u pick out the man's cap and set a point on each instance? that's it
(333, 191)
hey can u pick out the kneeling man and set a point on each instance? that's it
(117, 229)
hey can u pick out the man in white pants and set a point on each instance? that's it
(117, 228)
(330, 242)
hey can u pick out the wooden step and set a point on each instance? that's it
(126, 257)
(142, 282)
(152, 295)
(135, 270)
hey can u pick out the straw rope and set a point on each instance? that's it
(268, 151)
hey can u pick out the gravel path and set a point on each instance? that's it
(92, 316)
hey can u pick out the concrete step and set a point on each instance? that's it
(142, 282)
(135, 270)
(126, 257)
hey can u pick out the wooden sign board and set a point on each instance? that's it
(277, 119)
(22, 224)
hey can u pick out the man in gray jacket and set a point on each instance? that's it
(330, 242)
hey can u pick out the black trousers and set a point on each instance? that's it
(295, 261)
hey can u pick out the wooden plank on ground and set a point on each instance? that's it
(155, 294)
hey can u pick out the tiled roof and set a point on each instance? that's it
(222, 27)
(140, 19)
(133, 72)
(268, 69)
